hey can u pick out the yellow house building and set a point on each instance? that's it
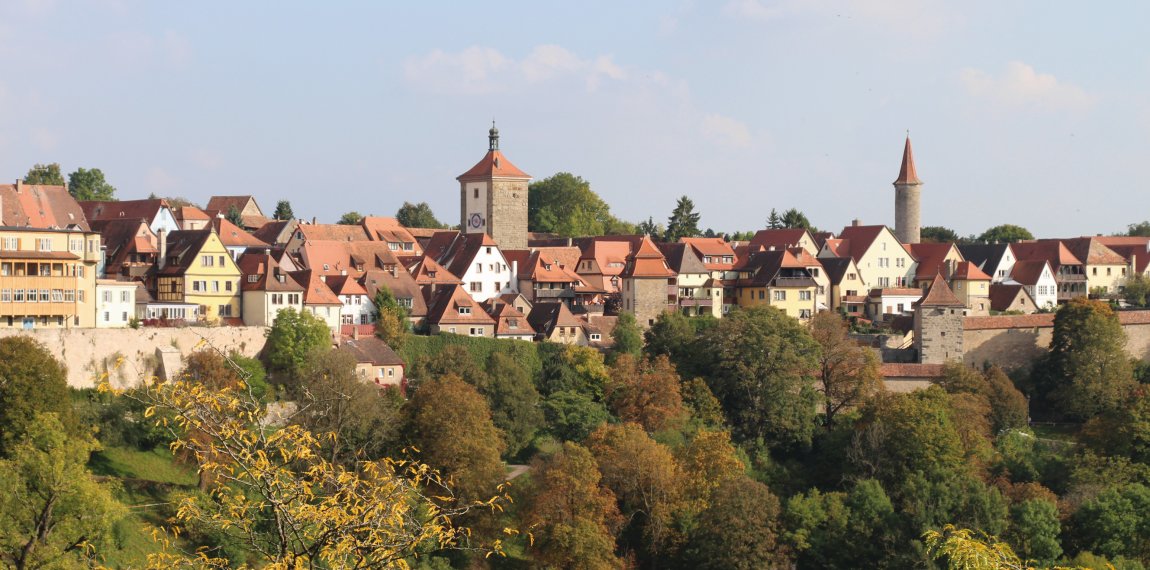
(775, 278)
(48, 277)
(882, 261)
(197, 269)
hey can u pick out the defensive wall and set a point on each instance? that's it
(132, 355)
(1014, 341)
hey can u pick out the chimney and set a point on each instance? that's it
(313, 220)
(162, 237)
(856, 222)
(19, 185)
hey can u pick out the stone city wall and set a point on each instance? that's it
(140, 353)
(1013, 342)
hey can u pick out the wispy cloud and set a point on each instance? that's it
(481, 70)
(1020, 86)
(725, 130)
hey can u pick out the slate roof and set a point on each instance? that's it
(836, 268)
(782, 238)
(545, 317)
(987, 256)
(183, 245)
(456, 251)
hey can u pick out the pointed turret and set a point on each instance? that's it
(907, 173)
(907, 199)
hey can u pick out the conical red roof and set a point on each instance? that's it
(907, 173)
(940, 295)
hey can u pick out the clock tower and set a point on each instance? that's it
(493, 198)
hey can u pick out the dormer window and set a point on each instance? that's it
(253, 278)
(465, 310)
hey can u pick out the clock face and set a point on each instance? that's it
(476, 221)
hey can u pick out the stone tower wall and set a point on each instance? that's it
(648, 299)
(907, 208)
(938, 334)
(507, 213)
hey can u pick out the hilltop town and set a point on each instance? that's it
(71, 264)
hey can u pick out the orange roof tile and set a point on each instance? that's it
(940, 295)
(907, 173)
(967, 271)
(648, 262)
(493, 165)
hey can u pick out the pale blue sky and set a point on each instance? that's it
(1036, 113)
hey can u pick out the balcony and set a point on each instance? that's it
(691, 302)
(794, 282)
(1070, 278)
(554, 293)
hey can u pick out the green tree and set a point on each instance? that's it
(572, 416)
(45, 174)
(684, 221)
(283, 211)
(627, 336)
(84, 184)
(1136, 290)
(1035, 529)
(514, 402)
(417, 216)
(793, 218)
(439, 412)
(1009, 408)
(32, 382)
(774, 221)
(1005, 233)
(704, 407)
(391, 319)
(1087, 371)
(52, 510)
(1115, 523)
(364, 421)
(574, 518)
(739, 530)
(901, 434)
(571, 368)
(234, 216)
(763, 371)
(1141, 229)
(938, 234)
(858, 529)
(650, 227)
(351, 218)
(673, 335)
(293, 338)
(848, 373)
(564, 204)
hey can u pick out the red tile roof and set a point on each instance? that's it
(443, 308)
(123, 209)
(1028, 272)
(783, 238)
(1003, 296)
(1093, 252)
(316, 292)
(332, 232)
(39, 206)
(907, 173)
(967, 271)
(910, 370)
(647, 262)
(233, 236)
(493, 165)
(1053, 251)
(940, 295)
(931, 258)
(858, 240)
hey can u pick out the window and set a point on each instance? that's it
(253, 278)
(107, 296)
(479, 268)
(761, 294)
(19, 296)
(465, 310)
(75, 245)
(124, 316)
(804, 313)
(222, 264)
(884, 281)
(595, 337)
(476, 286)
(476, 195)
(476, 331)
(900, 307)
(124, 296)
(106, 319)
(780, 295)
(900, 262)
(207, 261)
(804, 295)
(10, 244)
(512, 323)
(215, 286)
(5, 269)
(1095, 270)
(293, 298)
(45, 296)
(43, 244)
(225, 310)
(69, 295)
(5, 296)
(884, 261)
(852, 276)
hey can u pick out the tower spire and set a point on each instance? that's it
(493, 137)
(907, 173)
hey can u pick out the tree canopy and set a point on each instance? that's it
(84, 184)
(417, 216)
(1005, 233)
(938, 234)
(564, 204)
(234, 216)
(683, 222)
(32, 382)
(45, 174)
(1140, 229)
(293, 338)
(351, 218)
(283, 211)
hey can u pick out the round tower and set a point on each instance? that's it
(907, 199)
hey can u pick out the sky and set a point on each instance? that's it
(1032, 113)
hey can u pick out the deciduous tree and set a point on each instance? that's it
(515, 404)
(627, 336)
(564, 204)
(51, 510)
(417, 216)
(645, 392)
(45, 174)
(32, 382)
(848, 373)
(938, 234)
(391, 322)
(85, 184)
(1005, 233)
(739, 530)
(293, 338)
(351, 218)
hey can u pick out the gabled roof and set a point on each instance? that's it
(345, 285)
(402, 286)
(1003, 296)
(967, 271)
(276, 232)
(907, 174)
(987, 256)
(443, 305)
(372, 350)
(190, 213)
(855, 241)
(1111, 241)
(714, 248)
(269, 276)
(121, 238)
(183, 247)
(545, 317)
(233, 236)
(767, 266)
(224, 203)
(332, 232)
(427, 271)
(940, 295)
(931, 258)
(836, 268)
(493, 165)
(456, 251)
(505, 315)
(1028, 272)
(609, 255)
(129, 209)
(1138, 254)
(1053, 251)
(783, 238)
(388, 230)
(316, 292)
(821, 238)
(39, 206)
(682, 258)
(1092, 251)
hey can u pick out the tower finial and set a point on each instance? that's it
(493, 137)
